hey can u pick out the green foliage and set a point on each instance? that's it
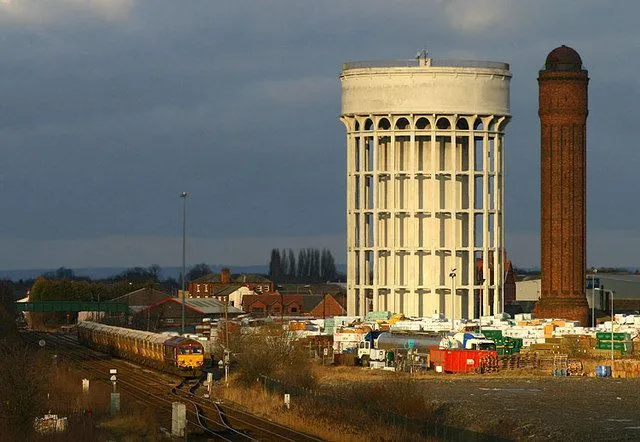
(66, 290)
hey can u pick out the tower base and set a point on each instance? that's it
(573, 309)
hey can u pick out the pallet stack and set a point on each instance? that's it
(626, 368)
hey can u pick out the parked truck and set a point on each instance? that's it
(467, 341)
(382, 346)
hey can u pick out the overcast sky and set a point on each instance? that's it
(110, 108)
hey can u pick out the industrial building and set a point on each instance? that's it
(601, 288)
(425, 185)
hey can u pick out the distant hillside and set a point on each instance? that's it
(106, 272)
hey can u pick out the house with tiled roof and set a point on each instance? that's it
(320, 306)
(272, 304)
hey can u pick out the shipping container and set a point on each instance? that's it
(606, 336)
(626, 347)
(459, 360)
(492, 334)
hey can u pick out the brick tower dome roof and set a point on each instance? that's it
(563, 58)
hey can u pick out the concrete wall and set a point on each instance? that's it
(528, 290)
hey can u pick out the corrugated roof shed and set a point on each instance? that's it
(209, 306)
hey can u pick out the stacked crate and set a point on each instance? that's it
(620, 341)
(505, 345)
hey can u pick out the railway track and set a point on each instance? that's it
(211, 418)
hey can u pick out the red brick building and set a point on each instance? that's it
(320, 306)
(509, 283)
(209, 284)
(328, 307)
(272, 304)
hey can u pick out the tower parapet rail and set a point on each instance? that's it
(419, 62)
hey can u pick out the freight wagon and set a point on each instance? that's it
(174, 354)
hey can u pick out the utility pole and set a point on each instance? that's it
(593, 297)
(226, 342)
(612, 293)
(452, 275)
(183, 195)
(481, 306)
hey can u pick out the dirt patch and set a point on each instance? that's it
(532, 408)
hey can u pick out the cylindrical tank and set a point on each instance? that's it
(425, 185)
(391, 341)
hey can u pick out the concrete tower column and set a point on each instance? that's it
(563, 118)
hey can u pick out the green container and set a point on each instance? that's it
(379, 315)
(492, 334)
(606, 336)
(617, 345)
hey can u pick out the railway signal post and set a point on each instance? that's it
(115, 397)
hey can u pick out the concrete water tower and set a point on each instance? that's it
(425, 185)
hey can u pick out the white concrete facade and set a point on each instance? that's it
(425, 186)
(528, 290)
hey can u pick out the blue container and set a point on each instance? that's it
(603, 371)
(559, 372)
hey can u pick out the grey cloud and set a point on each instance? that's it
(104, 119)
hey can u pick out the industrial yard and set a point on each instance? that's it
(400, 378)
(507, 405)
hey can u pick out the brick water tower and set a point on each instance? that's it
(563, 117)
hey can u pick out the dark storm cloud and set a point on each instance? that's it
(108, 109)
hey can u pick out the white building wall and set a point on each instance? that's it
(425, 186)
(528, 290)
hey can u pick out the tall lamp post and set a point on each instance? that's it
(593, 297)
(612, 293)
(183, 195)
(452, 275)
(480, 310)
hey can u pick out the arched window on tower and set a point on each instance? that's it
(443, 123)
(384, 124)
(402, 123)
(423, 123)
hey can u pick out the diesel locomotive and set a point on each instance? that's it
(174, 354)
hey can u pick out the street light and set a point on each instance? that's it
(183, 195)
(481, 306)
(612, 293)
(452, 275)
(593, 297)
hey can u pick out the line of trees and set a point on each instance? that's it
(64, 285)
(312, 266)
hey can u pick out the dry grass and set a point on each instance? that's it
(308, 416)
(131, 427)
